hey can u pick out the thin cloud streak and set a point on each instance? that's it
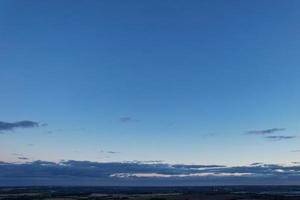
(23, 158)
(127, 119)
(296, 151)
(266, 131)
(280, 137)
(112, 152)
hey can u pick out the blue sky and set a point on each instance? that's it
(194, 82)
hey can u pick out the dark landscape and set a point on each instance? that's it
(154, 193)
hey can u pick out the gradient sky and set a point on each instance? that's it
(196, 82)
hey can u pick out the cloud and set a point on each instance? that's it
(82, 173)
(20, 156)
(280, 137)
(197, 166)
(257, 163)
(23, 158)
(296, 151)
(9, 126)
(43, 124)
(150, 161)
(127, 119)
(17, 154)
(112, 152)
(266, 131)
(157, 175)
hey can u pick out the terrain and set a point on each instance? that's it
(153, 193)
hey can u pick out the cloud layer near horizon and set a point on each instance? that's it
(138, 173)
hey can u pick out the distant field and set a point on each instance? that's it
(152, 193)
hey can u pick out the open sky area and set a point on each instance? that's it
(210, 82)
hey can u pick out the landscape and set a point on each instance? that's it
(153, 193)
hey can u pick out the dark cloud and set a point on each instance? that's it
(257, 163)
(73, 172)
(20, 156)
(127, 119)
(266, 131)
(23, 158)
(280, 137)
(9, 126)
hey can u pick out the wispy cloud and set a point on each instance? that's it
(9, 126)
(127, 119)
(150, 161)
(20, 156)
(296, 163)
(17, 154)
(266, 131)
(296, 151)
(280, 137)
(112, 152)
(109, 152)
(44, 124)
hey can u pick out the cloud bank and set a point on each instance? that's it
(86, 173)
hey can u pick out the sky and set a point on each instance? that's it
(208, 82)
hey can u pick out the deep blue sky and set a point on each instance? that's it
(178, 81)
